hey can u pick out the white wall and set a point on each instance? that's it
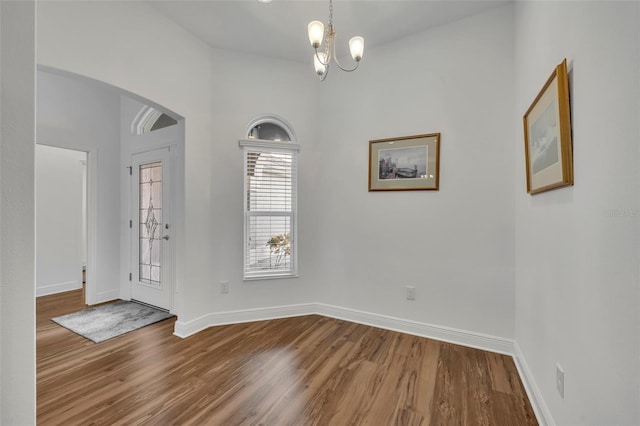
(218, 93)
(242, 92)
(454, 245)
(59, 247)
(577, 248)
(80, 115)
(17, 251)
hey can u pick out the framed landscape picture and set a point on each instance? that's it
(547, 135)
(406, 163)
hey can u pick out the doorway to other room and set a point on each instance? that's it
(61, 219)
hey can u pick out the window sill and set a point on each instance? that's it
(269, 277)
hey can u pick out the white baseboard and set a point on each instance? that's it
(451, 335)
(533, 391)
(58, 288)
(185, 329)
(436, 332)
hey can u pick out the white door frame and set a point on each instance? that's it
(92, 228)
(92, 218)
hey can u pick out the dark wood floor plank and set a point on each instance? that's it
(309, 370)
(448, 404)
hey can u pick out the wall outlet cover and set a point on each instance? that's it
(411, 292)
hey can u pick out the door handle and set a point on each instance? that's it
(166, 237)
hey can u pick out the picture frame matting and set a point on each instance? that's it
(547, 135)
(407, 163)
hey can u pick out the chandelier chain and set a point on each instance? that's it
(330, 13)
(328, 36)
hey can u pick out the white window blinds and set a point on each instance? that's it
(270, 204)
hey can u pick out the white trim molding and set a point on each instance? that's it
(188, 328)
(58, 288)
(259, 143)
(540, 408)
(436, 332)
(91, 277)
(446, 334)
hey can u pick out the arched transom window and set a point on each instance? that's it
(149, 119)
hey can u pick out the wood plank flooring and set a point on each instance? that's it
(308, 370)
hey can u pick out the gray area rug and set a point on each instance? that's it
(111, 320)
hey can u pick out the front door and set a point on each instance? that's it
(151, 231)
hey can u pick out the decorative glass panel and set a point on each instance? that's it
(150, 223)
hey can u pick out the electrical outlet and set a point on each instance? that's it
(224, 287)
(560, 380)
(411, 292)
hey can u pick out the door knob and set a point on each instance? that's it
(166, 237)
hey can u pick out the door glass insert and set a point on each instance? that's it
(150, 208)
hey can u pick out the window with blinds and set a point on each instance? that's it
(270, 204)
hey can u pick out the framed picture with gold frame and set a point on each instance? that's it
(407, 163)
(547, 135)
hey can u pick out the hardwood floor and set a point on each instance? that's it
(308, 370)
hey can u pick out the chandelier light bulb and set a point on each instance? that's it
(316, 33)
(319, 61)
(356, 47)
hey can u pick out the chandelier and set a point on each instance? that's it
(322, 57)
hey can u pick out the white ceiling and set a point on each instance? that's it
(279, 29)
